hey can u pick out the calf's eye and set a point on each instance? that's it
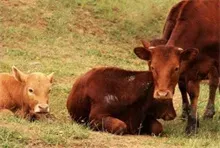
(30, 90)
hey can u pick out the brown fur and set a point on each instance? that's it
(118, 101)
(15, 93)
(194, 24)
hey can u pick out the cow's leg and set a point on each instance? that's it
(213, 85)
(151, 126)
(185, 101)
(193, 119)
(104, 122)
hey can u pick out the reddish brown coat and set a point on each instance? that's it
(118, 101)
(190, 24)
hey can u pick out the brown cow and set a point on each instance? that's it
(118, 101)
(190, 24)
(25, 94)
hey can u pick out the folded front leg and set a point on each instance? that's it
(102, 122)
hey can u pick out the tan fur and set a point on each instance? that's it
(15, 92)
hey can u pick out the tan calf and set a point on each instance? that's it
(25, 94)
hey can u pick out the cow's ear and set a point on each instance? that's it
(145, 43)
(189, 54)
(19, 75)
(143, 53)
(50, 77)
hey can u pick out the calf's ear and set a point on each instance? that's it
(189, 54)
(142, 53)
(19, 75)
(50, 77)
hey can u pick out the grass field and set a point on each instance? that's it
(70, 37)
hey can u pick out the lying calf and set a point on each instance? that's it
(118, 101)
(26, 95)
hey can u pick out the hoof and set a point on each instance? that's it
(207, 117)
(191, 130)
(185, 114)
(209, 113)
(192, 126)
(184, 117)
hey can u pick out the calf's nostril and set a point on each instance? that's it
(43, 107)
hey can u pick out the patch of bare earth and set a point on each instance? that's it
(105, 140)
(86, 24)
(19, 3)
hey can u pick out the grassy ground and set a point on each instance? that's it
(69, 37)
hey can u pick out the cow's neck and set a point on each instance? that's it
(183, 38)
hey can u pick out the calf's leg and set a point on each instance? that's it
(213, 85)
(104, 122)
(5, 112)
(151, 126)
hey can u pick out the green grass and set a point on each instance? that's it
(12, 138)
(70, 37)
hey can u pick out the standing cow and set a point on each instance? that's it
(26, 95)
(118, 101)
(189, 25)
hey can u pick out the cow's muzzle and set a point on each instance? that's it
(163, 94)
(41, 108)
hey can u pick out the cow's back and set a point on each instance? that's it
(197, 24)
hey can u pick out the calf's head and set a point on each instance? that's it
(36, 89)
(166, 64)
(162, 109)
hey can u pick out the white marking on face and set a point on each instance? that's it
(180, 49)
(151, 47)
(131, 78)
(111, 98)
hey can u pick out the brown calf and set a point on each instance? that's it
(25, 94)
(118, 101)
(190, 24)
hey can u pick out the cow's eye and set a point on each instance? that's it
(49, 90)
(177, 69)
(30, 90)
